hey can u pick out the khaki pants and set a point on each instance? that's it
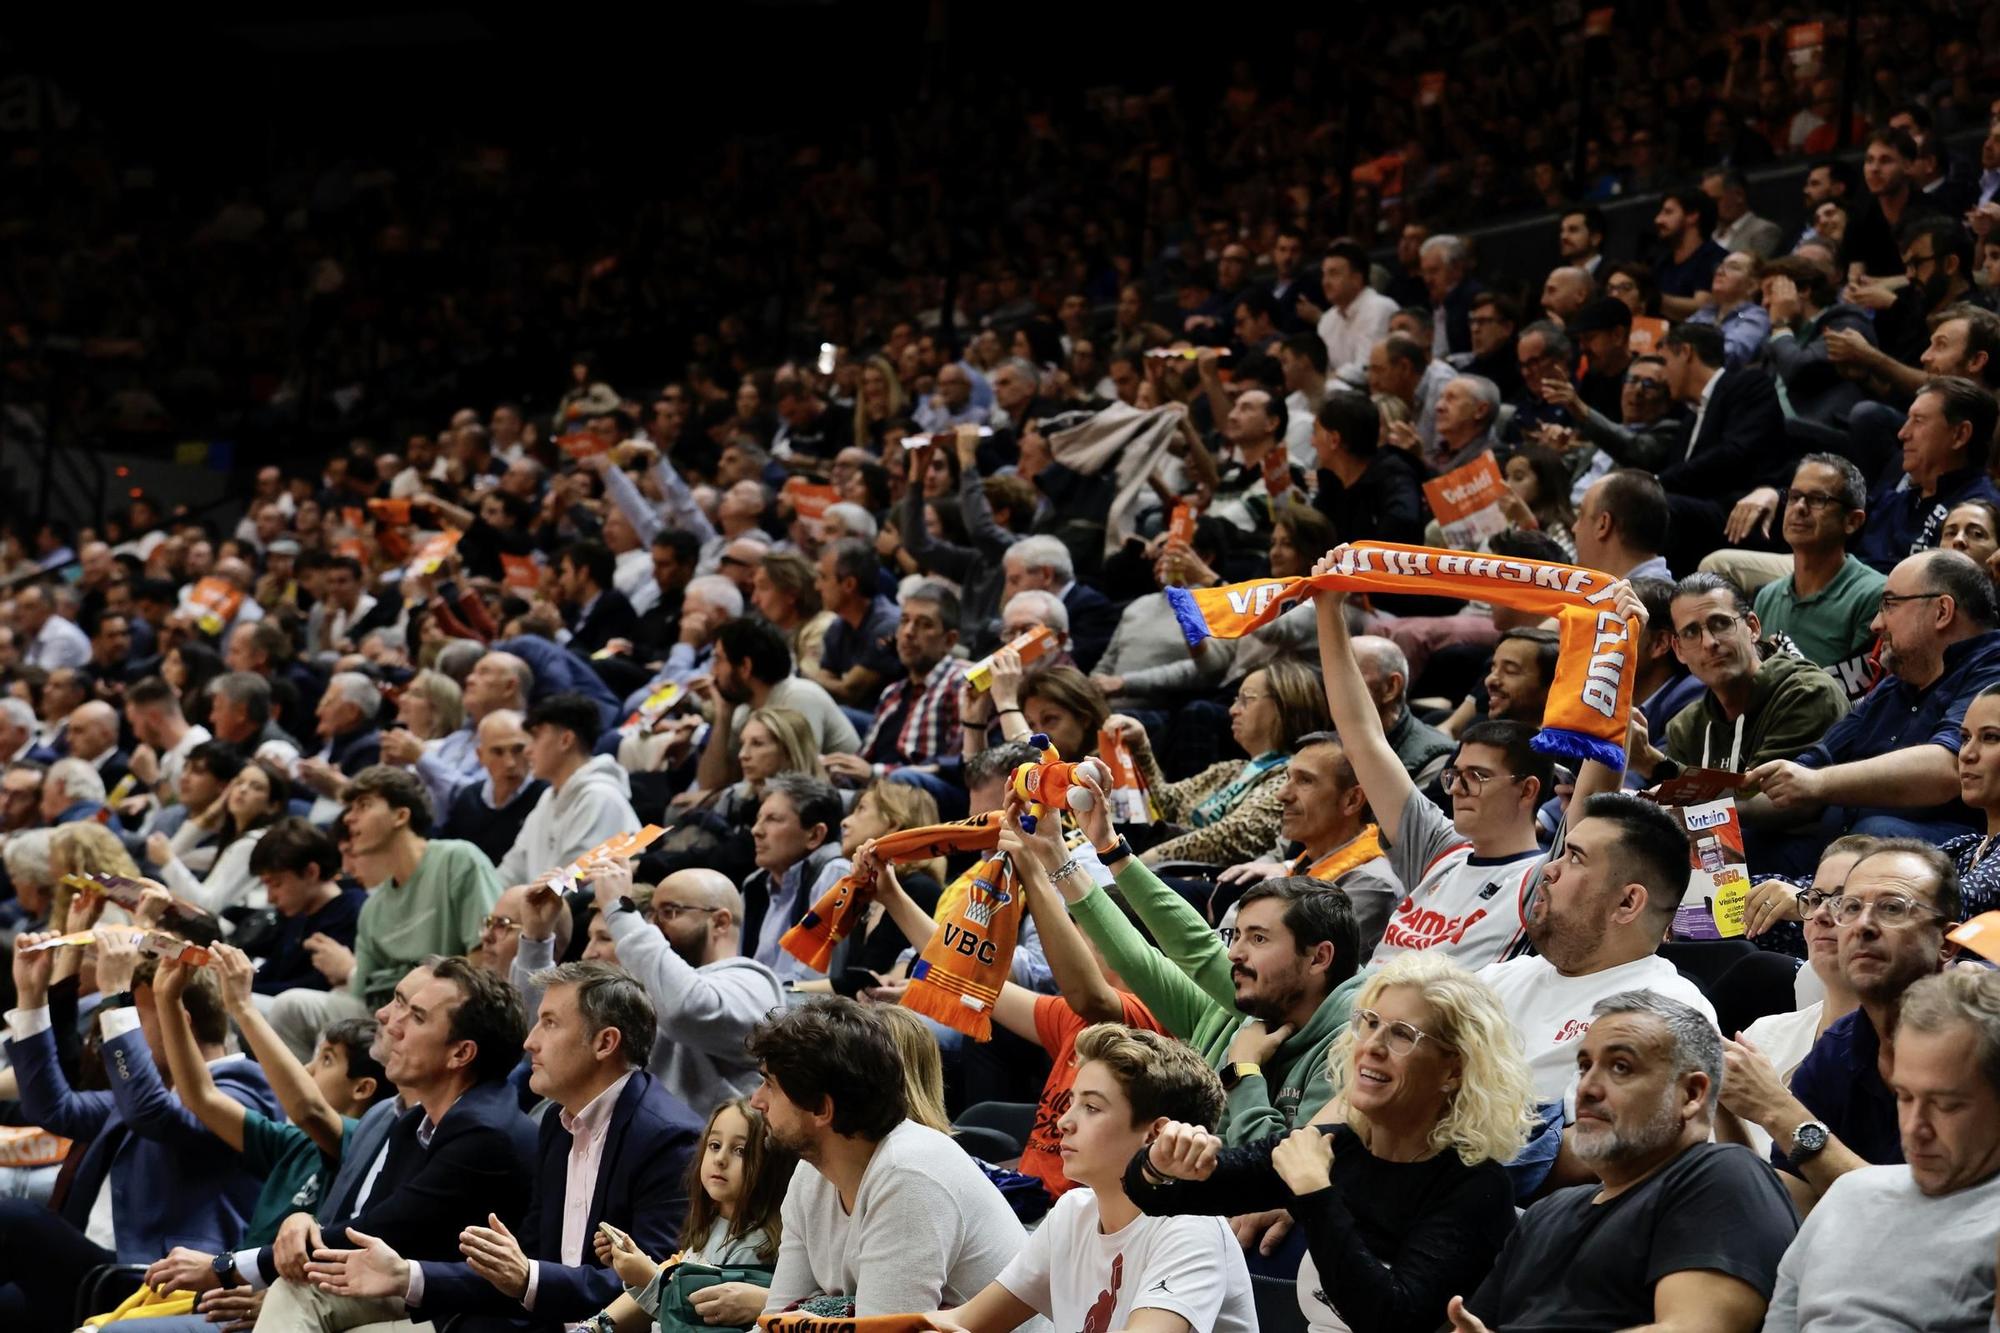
(294, 1307)
(1748, 570)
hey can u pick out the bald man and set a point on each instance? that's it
(1567, 291)
(488, 811)
(93, 738)
(685, 951)
(496, 681)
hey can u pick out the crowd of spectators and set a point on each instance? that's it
(1360, 993)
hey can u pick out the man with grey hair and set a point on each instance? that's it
(52, 641)
(1680, 1232)
(849, 520)
(1887, 1241)
(71, 790)
(1544, 352)
(1385, 670)
(19, 729)
(93, 738)
(1031, 607)
(1017, 386)
(709, 602)
(1043, 562)
(1446, 266)
(239, 712)
(1467, 410)
(614, 1149)
(346, 723)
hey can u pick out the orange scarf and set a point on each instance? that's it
(963, 967)
(1366, 846)
(834, 917)
(1591, 697)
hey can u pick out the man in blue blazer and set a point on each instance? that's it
(615, 1147)
(149, 1176)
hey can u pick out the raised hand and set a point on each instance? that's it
(1184, 1152)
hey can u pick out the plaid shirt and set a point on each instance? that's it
(928, 730)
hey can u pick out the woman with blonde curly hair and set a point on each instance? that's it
(1400, 1185)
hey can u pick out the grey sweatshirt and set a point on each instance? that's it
(595, 803)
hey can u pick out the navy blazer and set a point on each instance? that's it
(357, 1153)
(641, 1190)
(1092, 621)
(175, 1183)
(477, 1163)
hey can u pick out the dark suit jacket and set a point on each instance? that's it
(1092, 621)
(477, 1163)
(357, 1153)
(641, 1190)
(176, 1183)
(1742, 443)
(611, 617)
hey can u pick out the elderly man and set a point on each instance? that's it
(1891, 1240)
(1446, 265)
(71, 791)
(1890, 767)
(346, 723)
(709, 602)
(93, 738)
(1467, 410)
(52, 640)
(1945, 440)
(1017, 393)
(951, 404)
(916, 724)
(19, 730)
(1565, 293)
(489, 810)
(1044, 562)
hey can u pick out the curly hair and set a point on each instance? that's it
(1489, 1118)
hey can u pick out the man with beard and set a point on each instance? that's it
(1838, 1114)
(1681, 1232)
(892, 1216)
(752, 669)
(685, 950)
(1604, 902)
(1890, 767)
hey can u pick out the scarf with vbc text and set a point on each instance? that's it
(1591, 698)
(840, 909)
(959, 976)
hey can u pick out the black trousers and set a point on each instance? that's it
(43, 1262)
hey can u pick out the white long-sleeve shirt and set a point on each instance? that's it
(229, 884)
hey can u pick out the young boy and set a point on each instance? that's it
(1096, 1264)
(297, 1160)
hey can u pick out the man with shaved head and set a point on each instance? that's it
(1565, 293)
(93, 738)
(687, 952)
(497, 681)
(488, 811)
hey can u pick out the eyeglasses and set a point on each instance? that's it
(1246, 697)
(498, 922)
(1814, 501)
(1892, 600)
(668, 911)
(1401, 1038)
(1811, 900)
(1471, 780)
(1647, 385)
(1715, 626)
(1890, 910)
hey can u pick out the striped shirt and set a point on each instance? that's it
(917, 723)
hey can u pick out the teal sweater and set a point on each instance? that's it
(1185, 982)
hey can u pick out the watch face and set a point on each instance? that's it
(1809, 1137)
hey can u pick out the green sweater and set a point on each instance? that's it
(1186, 983)
(439, 909)
(295, 1172)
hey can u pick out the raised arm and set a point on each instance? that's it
(1382, 775)
(619, 489)
(304, 1104)
(223, 1116)
(1078, 978)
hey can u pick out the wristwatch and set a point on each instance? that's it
(1808, 1141)
(625, 904)
(1120, 847)
(1232, 1074)
(224, 1265)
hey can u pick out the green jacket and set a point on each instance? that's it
(1792, 703)
(1185, 982)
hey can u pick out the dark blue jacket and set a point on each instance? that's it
(175, 1183)
(557, 670)
(357, 1153)
(1092, 621)
(641, 1190)
(1902, 522)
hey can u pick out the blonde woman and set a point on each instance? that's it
(923, 1066)
(773, 741)
(879, 399)
(85, 848)
(1400, 1184)
(431, 706)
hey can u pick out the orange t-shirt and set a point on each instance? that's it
(1057, 1026)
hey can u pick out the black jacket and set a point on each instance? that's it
(611, 617)
(1742, 442)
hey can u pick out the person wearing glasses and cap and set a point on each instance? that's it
(1839, 1115)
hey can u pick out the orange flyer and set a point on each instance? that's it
(1430, 87)
(390, 511)
(1803, 42)
(1277, 470)
(1466, 501)
(582, 444)
(1981, 935)
(1647, 333)
(1032, 646)
(1180, 528)
(810, 500)
(216, 601)
(1128, 791)
(520, 571)
(433, 553)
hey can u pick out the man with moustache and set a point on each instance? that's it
(1678, 1232)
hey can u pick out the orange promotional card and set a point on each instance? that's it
(1180, 528)
(520, 572)
(582, 444)
(1466, 501)
(216, 601)
(810, 500)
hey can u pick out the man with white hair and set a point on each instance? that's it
(71, 790)
(1043, 562)
(52, 640)
(1017, 392)
(346, 722)
(1037, 606)
(93, 738)
(709, 601)
(19, 730)
(849, 520)
(1385, 671)
(1447, 269)
(1466, 412)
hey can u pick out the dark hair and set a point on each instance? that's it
(219, 759)
(1552, 480)
(1642, 277)
(1853, 486)
(593, 558)
(1657, 595)
(573, 712)
(398, 789)
(1505, 308)
(608, 997)
(939, 595)
(1704, 340)
(1310, 346)
(488, 1014)
(1355, 419)
(1548, 648)
(346, 563)
(293, 844)
(1905, 147)
(876, 478)
(1356, 257)
(997, 761)
(1592, 215)
(1652, 847)
(1982, 334)
(151, 693)
(1260, 302)
(1960, 578)
(684, 544)
(1809, 275)
(855, 559)
(1402, 347)
(814, 800)
(1964, 401)
(1515, 740)
(1693, 199)
(833, 1050)
(757, 646)
(1637, 503)
(1702, 583)
(1949, 239)
(1946, 895)
(1528, 544)
(1315, 913)
(767, 1175)
(201, 998)
(354, 1036)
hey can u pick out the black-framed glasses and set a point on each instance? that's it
(1401, 1038)
(1471, 780)
(1646, 384)
(1715, 627)
(1811, 900)
(1814, 501)
(1890, 910)
(1892, 600)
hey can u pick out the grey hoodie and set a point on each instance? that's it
(704, 1013)
(595, 803)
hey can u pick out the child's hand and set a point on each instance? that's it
(618, 1253)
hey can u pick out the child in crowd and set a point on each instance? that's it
(733, 1227)
(1096, 1263)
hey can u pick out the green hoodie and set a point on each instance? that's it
(1792, 703)
(1185, 982)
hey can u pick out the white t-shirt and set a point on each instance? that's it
(1083, 1279)
(1551, 1012)
(1786, 1039)
(1466, 905)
